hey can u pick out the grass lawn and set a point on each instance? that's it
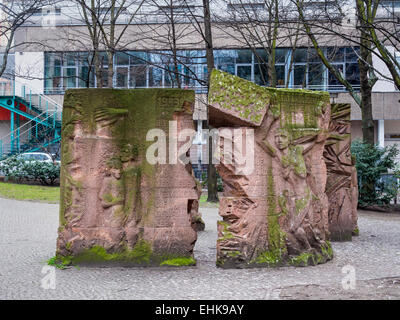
(52, 194)
(28, 192)
(203, 202)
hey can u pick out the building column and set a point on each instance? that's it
(381, 133)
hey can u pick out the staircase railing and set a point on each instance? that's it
(40, 107)
(32, 96)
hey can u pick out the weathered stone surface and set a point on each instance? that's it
(341, 186)
(277, 214)
(117, 208)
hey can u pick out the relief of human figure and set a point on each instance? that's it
(341, 185)
(279, 212)
(299, 206)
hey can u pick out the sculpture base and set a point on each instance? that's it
(234, 260)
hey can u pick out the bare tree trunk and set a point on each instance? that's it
(212, 184)
(273, 34)
(174, 48)
(367, 75)
(368, 128)
(110, 72)
(111, 45)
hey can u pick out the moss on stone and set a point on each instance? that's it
(276, 237)
(301, 204)
(271, 258)
(270, 149)
(233, 254)
(110, 199)
(59, 262)
(226, 233)
(327, 250)
(304, 260)
(249, 100)
(179, 262)
(121, 110)
(68, 245)
(140, 254)
(282, 200)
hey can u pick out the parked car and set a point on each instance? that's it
(38, 156)
(33, 156)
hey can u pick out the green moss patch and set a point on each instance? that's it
(248, 100)
(226, 233)
(140, 255)
(179, 262)
(270, 258)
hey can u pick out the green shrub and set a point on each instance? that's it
(204, 182)
(18, 170)
(371, 163)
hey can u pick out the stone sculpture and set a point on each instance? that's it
(116, 207)
(277, 214)
(341, 186)
(290, 183)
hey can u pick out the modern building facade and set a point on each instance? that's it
(54, 53)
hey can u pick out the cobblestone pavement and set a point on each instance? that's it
(28, 234)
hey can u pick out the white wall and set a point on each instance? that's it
(382, 84)
(29, 70)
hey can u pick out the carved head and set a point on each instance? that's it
(282, 138)
(116, 173)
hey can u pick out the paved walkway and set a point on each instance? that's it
(28, 234)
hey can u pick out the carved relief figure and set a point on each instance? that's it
(341, 188)
(276, 215)
(116, 208)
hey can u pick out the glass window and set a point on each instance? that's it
(280, 55)
(244, 56)
(103, 58)
(155, 77)
(299, 78)
(352, 54)
(86, 77)
(280, 75)
(70, 59)
(316, 74)
(104, 77)
(313, 55)
(202, 74)
(171, 76)
(197, 57)
(122, 77)
(138, 57)
(69, 78)
(335, 54)
(230, 68)
(154, 58)
(137, 76)
(261, 56)
(244, 72)
(225, 56)
(53, 64)
(353, 73)
(334, 84)
(261, 74)
(121, 59)
(190, 73)
(300, 55)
